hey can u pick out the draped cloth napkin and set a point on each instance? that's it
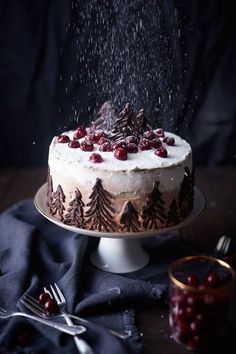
(35, 252)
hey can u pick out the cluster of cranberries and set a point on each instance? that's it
(198, 315)
(131, 144)
(49, 304)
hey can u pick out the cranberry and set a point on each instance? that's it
(74, 144)
(96, 158)
(105, 147)
(63, 139)
(119, 144)
(43, 298)
(145, 144)
(193, 343)
(212, 280)
(190, 311)
(149, 135)
(160, 133)
(98, 134)
(169, 141)
(79, 133)
(86, 146)
(51, 306)
(156, 143)
(102, 140)
(121, 154)
(132, 148)
(132, 139)
(182, 330)
(161, 152)
(193, 280)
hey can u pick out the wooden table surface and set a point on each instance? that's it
(219, 186)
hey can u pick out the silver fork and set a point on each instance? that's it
(222, 247)
(81, 345)
(33, 304)
(60, 326)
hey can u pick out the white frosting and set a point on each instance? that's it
(136, 174)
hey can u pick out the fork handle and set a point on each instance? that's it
(60, 326)
(81, 345)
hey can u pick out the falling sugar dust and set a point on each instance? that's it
(128, 51)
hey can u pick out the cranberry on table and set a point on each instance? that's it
(43, 298)
(51, 307)
(132, 139)
(96, 158)
(63, 139)
(121, 154)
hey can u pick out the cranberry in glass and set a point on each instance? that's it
(162, 152)
(193, 280)
(74, 144)
(212, 280)
(96, 158)
(63, 139)
(121, 154)
(51, 307)
(43, 298)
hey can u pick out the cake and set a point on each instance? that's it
(130, 178)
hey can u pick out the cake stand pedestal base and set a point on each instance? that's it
(118, 255)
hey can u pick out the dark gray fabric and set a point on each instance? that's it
(35, 252)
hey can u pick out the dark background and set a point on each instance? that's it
(53, 77)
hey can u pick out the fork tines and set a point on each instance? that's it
(222, 246)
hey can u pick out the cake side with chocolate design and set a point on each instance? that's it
(146, 172)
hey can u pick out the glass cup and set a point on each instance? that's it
(200, 299)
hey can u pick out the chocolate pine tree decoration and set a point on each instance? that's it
(49, 189)
(126, 124)
(75, 213)
(186, 193)
(172, 215)
(58, 198)
(143, 122)
(153, 212)
(129, 218)
(107, 115)
(99, 216)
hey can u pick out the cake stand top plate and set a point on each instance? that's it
(40, 202)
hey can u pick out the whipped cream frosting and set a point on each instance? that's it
(135, 174)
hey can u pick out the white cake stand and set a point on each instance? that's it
(119, 252)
